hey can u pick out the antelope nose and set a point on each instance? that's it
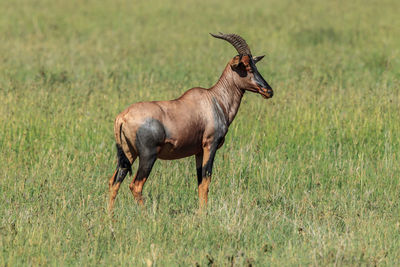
(270, 92)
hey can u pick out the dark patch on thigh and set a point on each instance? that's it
(149, 135)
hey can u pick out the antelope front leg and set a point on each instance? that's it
(204, 179)
(199, 167)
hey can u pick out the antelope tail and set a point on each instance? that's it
(123, 164)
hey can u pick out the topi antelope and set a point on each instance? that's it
(194, 124)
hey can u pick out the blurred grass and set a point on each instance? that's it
(310, 177)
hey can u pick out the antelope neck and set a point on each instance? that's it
(228, 94)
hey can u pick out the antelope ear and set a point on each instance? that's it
(235, 62)
(239, 67)
(256, 59)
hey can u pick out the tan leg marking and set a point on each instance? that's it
(203, 192)
(113, 191)
(136, 188)
(204, 184)
(111, 182)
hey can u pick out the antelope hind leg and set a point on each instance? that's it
(136, 186)
(114, 184)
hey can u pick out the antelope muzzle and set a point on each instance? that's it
(264, 88)
(266, 92)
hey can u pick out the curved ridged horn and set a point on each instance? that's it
(238, 42)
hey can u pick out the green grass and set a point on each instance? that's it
(310, 177)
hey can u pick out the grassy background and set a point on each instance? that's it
(309, 177)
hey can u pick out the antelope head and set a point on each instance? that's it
(246, 75)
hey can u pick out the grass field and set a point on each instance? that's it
(310, 177)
